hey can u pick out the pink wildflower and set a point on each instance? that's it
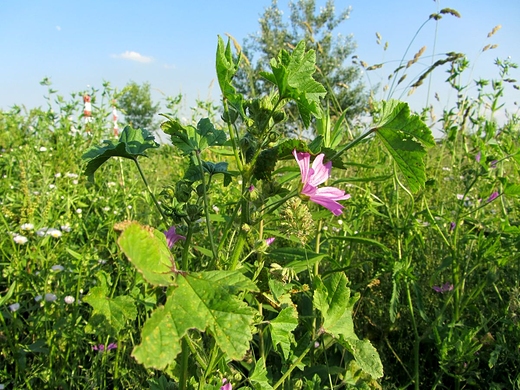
(444, 288)
(269, 240)
(226, 385)
(318, 174)
(172, 237)
(101, 347)
(493, 196)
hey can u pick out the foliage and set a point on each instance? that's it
(414, 285)
(135, 102)
(345, 93)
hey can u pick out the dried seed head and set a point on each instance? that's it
(402, 79)
(376, 66)
(364, 64)
(486, 47)
(378, 36)
(450, 11)
(495, 29)
(436, 16)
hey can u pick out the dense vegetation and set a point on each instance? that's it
(212, 262)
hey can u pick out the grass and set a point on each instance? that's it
(437, 272)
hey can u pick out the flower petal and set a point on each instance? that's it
(320, 171)
(303, 160)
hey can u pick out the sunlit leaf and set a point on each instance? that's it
(206, 301)
(132, 144)
(405, 137)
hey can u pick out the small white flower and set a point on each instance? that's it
(20, 239)
(129, 207)
(216, 209)
(36, 193)
(54, 233)
(69, 300)
(79, 211)
(447, 169)
(52, 186)
(14, 307)
(75, 182)
(50, 297)
(38, 298)
(106, 208)
(111, 184)
(57, 174)
(57, 268)
(43, 149)
(460, 196)
(27, 226)
(340, 222)
(42, 232)
(72, 175)
(66, 228)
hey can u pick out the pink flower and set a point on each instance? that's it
(493, 196)
(318, 174)
(226, 385)
(172, 237)
(444, 288)
(269, 240)
(101, 347)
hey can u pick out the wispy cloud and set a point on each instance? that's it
(133, 56)
(58, 28)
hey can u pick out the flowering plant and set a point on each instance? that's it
(223, 268)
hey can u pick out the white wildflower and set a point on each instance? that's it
(20, 239)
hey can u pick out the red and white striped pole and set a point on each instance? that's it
(114, 119)
(87, 112)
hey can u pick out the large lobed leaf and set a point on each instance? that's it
(227, 67)
(193, 139)
(292, 74)
(132, 144)
(405, 137)
(148, 251)
(206, 301)
(111, 313)
(332, 298)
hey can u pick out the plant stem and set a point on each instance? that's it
(354, 143)
(206, 209)
(416, 338)
(183, 379)
(294, 365)
(159, 208)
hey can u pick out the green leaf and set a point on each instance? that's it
(292, 74)
(147, 250)
(332, 298)
(110, 312)
(227, 67)
(365, 354)
(405, 137)
(281, 329)
(132, 144)
(259, 378)
(299, 259)
(206, 301)
(193, 139)
(512, 189)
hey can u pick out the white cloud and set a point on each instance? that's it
(133, 56)
(58, 28)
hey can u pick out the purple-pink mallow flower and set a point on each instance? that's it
(444, 288)
(101, 347)
(226, 385)
(318, 174)
(172, 237)
(269, 240)
(493, 196)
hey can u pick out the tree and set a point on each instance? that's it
(136, 104)
(345, 91)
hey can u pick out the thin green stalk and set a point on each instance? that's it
(354, 143)
(206, 210)
(186, 249)
(157, 205)
(294, 365)
(185, 355)
(231, 131)
(416, 338)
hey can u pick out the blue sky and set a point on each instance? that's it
(171, 44)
